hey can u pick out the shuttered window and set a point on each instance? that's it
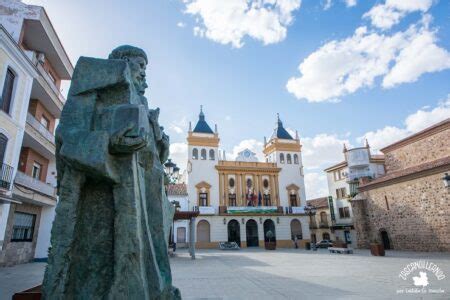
(5, 101)
(23, 227)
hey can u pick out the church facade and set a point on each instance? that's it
(241, 200)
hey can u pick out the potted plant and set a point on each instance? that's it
(271, 244)
(376, 248)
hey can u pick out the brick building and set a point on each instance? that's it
(409, 207)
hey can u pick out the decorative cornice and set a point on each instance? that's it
(422, 170)
(278, 145)
(242, 167)
(203, 184)
(441, 126)
(205, 141)
(292, 186)
(336, 166)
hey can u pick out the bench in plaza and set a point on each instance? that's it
(340, 250)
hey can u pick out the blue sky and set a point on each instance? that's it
(385, 81)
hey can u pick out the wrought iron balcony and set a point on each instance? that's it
(324, 225)
(252, 210)
(6, 173)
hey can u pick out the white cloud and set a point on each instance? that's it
(179, 126)
(251, 144)
(179, 154)
(181, 24)
(316, 185)
(228, 22)
(327, 4)
(386, 15)
(322, 150)
(415, 122)
(342, 67)
(350, 3)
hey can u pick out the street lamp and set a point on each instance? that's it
(172, 171)
(311, 211)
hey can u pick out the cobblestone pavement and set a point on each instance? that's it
(281, 274)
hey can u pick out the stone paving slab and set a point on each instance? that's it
(281, 274)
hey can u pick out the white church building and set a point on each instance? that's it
(241, 200)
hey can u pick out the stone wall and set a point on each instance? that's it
(19, 252)
(424, 150)
(415, 214)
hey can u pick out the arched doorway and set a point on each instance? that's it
(269, 225)
(203, 231)
(252, 233)
(326, 236)
(385, 239)
(181, 235)
(234, 232)
(296, 229)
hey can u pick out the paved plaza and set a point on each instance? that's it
(280, 274)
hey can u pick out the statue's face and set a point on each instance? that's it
(137, 68)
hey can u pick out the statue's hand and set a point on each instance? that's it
(125, 142)
(164, 146)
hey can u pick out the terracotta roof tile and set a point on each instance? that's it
(318, 202)
(177, 189)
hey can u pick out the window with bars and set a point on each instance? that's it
(7, 94)
(23, 227)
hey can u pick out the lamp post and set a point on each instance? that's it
(172, 171)
(311, 211)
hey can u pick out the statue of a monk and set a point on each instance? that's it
(109, 237)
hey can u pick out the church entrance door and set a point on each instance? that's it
(252, 233)
(234, 234)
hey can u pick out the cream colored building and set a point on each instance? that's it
(343, 181)
(241, 200)
(32, 65)
(320, 224)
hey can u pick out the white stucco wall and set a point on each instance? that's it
(203, 170)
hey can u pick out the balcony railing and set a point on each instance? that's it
(34, 184)
(236, 210)
(40, 128)
(205, 210)
(313, 225)
(6, 173)
(324, 225)
(293, 210)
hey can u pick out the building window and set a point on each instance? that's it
(45, 122)
(266, 183)
(281, 158)
(338, 175)
(296, 159)
(23, 227)
(195, 153)
(203, 154)
(232, 200)
(7, 94)
(326, 236)
(203, 199)
(323, 217)
(267, 201)
(344, 212)
(3, 144)
(36, 172)
(211, 155)
(288, 159)
(341, 193)
(293, 199)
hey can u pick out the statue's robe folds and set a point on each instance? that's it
(109, 237)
